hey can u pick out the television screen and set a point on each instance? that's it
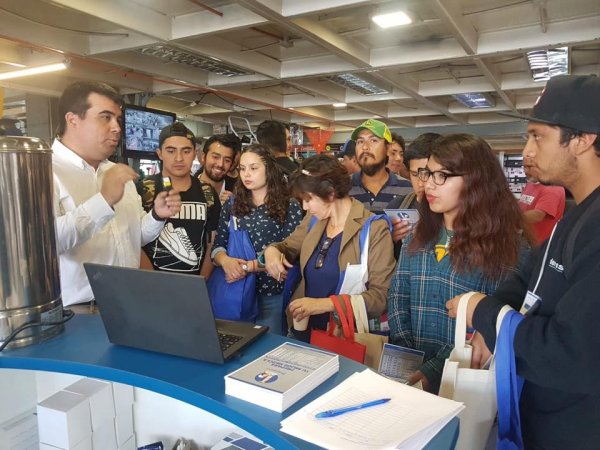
(141, 129)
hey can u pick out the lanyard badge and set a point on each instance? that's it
(531, 303)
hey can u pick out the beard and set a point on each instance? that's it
(217, 178)
(371, 169)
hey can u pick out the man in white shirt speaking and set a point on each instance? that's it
(98, 213)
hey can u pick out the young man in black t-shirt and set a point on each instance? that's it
(187, 237)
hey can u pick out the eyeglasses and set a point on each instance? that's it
(323, 252)
(439, 177)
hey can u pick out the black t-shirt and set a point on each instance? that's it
(181, 245)
(287, 165)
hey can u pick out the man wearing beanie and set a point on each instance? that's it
(556, 334)
(186, 238)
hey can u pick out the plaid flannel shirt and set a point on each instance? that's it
(417, 298)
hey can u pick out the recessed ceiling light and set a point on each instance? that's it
(545, 64)
(475, 100)
(339, 105)
(392, 19)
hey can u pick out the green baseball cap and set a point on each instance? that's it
(376, 127)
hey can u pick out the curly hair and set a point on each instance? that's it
(489, 225)
(278, 195)
(322, 176)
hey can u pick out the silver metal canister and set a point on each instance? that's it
(29, 278)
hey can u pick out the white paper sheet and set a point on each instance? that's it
(411, 418)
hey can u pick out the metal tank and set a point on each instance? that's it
(29, 279)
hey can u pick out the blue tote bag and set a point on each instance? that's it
(237, 300)
(509, 385)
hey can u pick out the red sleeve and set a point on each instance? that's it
(551, 200)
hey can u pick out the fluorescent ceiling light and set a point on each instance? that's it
(33, 71)
(475, 100)
(339, 105)
(545, 64)
(392, 19)
(14, 64)
(170, 54)
(358, 84)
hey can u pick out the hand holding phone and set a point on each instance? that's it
(410, 215)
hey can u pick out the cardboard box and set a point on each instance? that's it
(64, 419)
(86, 444)
(100, 396)
(124, 425)
(104, 437)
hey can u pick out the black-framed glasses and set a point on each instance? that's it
(439, 177)
(323, 252)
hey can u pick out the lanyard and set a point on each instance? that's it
(537, 283)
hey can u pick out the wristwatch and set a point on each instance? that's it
(245, 267)
(260, 260)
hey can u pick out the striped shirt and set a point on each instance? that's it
(417, 298)
(394, 187)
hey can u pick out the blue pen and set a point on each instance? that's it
(339, 411)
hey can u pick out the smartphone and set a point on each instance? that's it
(410, 215)
(167, 185)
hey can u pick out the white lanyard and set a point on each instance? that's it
(537, 283)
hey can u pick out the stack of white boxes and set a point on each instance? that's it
(88, 415)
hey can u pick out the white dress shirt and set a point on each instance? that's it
(88, 229)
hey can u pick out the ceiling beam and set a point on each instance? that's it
(313, 31)
(414, 93)
(203, 23)
(130, 15)
(465, 33)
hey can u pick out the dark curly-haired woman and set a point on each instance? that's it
(262, 206)
(469, 238)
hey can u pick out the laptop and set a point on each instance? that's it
(165, 312)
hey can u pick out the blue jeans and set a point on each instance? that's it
(270, 312)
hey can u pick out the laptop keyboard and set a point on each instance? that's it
(227, 340)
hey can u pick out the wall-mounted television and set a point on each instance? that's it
(141, 129)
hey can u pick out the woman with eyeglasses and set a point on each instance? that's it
(469, 238)
(327, 241)
(261, 205)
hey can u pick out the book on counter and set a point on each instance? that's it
(283, 376)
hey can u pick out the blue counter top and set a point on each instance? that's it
(84, 349)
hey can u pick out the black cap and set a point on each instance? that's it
(572, 101)
(348, 149)
(175, 129)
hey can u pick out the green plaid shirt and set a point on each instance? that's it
(417, 298)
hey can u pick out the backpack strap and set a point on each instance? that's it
(366, 229)
(408, 199)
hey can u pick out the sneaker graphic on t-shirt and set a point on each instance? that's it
(177, 241)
